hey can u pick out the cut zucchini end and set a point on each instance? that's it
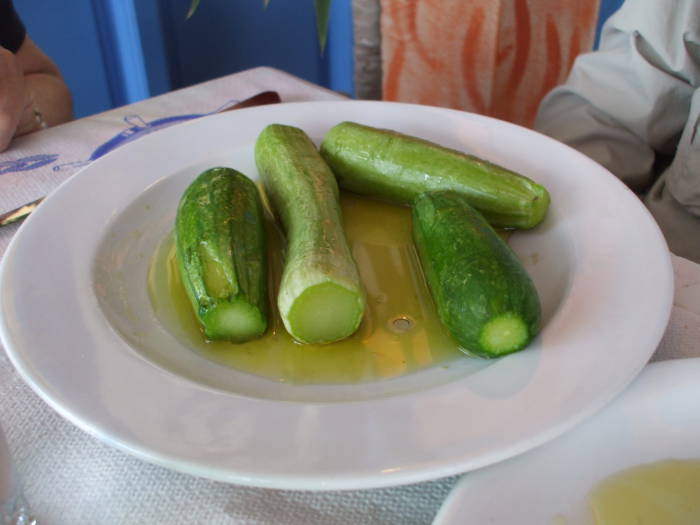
(504, 334)
(236, 321)
(324, 313)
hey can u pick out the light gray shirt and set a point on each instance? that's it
(635, 103)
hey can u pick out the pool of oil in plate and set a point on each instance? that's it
(665, 492)
(399, 334)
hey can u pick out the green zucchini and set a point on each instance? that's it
(397, 167)
(484, 296)
(320, 299)
(222, 254)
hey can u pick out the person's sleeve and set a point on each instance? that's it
(12, 30)
(630, 99)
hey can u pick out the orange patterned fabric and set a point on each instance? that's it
(494, 57)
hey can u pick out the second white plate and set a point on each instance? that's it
(658, 418)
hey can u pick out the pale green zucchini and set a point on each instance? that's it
(389, 165)
(320, 298)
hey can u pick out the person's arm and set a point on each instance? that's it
(629, 100)
(32, 91)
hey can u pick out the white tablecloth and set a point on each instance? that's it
(70, 478)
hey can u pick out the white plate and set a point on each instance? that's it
(657, 418)
(79, 328)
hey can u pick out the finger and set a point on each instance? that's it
(10, 67)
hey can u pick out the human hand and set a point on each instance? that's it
(15, 100)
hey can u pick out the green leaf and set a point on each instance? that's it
(193, 7)
(323, 11)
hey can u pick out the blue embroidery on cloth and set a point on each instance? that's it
(137, 129)
(27, 163)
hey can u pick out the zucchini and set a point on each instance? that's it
(320, 299)
(483, 294)
(397, 167)
(221, 254)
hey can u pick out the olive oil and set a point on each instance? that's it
(400, 333)
(666, 492)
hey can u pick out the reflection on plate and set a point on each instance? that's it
(85, 337)
(656, 419)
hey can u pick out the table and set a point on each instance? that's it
(72, 478)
